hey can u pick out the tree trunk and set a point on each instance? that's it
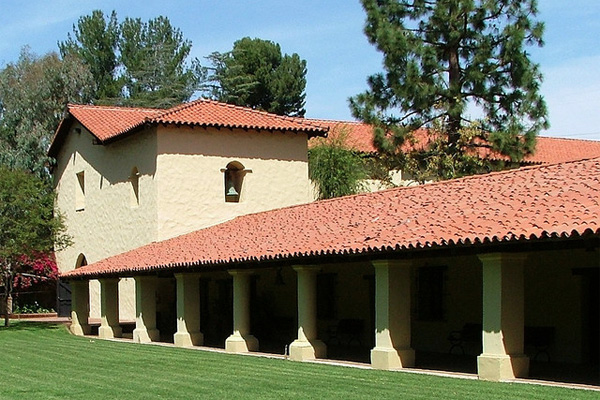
(454, 117)
(7, 309)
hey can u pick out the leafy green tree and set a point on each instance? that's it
(255, 74)
(33, 94)
(440, 56)
(335, 169)
(154, 58)
(28, 226)
(95, 40)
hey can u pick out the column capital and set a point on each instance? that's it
(501, 258)
(234, 272)
(192, 275)
(145, 278)
(392, 263)
(307, 268)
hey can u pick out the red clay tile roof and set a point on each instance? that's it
(359, 136)
(560, 200)
(549, 150)
(209, 113)
(108, 123)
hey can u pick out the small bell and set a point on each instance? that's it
(230, 182)
(231, 189)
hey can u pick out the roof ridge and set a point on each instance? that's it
(569, 139)
(177, 108)
(190, 104)
(113, 107)
(339, 121)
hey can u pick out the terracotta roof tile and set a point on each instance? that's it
(108, 122)
(530, 203)
(206, 113)
(549, 150)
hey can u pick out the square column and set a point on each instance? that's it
(307, 346)
(145, 310)
(80, 308)
(188, 311)
(392, 315)
(109, 309)
(503, 318)
(241, 341)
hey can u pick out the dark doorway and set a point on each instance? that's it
(591, 314)
(63, 299)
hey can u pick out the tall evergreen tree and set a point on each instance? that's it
(154, 58)
(441, 55)
(134, 63)
(95, 39)
(255, 74)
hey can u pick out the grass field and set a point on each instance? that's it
(42, 361)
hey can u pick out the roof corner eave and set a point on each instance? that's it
(59, 136)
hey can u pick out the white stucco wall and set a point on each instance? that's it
(191, 180)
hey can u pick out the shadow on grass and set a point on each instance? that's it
(30, 326)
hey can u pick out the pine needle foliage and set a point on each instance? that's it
(440, 56)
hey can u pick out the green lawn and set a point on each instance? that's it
(46, 362)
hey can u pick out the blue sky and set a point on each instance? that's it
(328, 34)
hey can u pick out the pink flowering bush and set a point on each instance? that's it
(40, 267)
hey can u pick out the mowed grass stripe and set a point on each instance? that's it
(46, 362)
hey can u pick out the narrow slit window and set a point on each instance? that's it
(134, 195)
(80, 192)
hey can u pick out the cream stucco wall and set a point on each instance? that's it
(181, 188)
(190, 175)
(108, 224)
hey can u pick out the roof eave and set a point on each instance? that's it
(486, 245)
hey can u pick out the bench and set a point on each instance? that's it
(540, 338)
(470, 333)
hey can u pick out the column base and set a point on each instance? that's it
(390, 358)
(80, 329)
(187, 339)
(109, 332)
(241, 344)
(301, 350)
(493, 367)
(143, 335)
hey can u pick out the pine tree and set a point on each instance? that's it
(154, 56)
(134, 63)
(441, 55)
(255, 74)
(95, 39)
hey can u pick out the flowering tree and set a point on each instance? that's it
(29, 230)
(34, 269)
